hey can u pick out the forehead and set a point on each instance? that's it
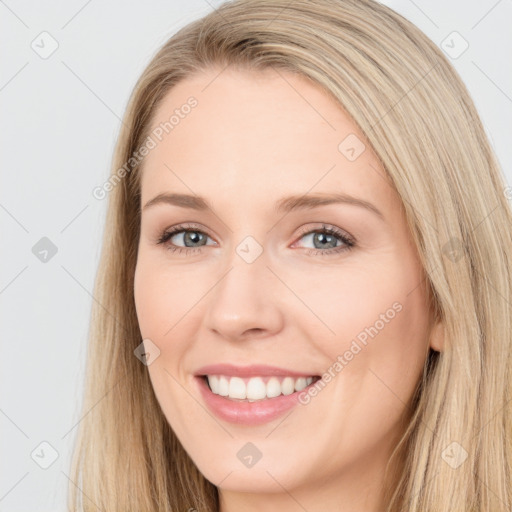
(260, 134)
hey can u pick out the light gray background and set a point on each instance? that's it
(60, 118)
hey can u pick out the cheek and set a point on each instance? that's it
(398, 356)
(385, 319)
(148, 301)
(357, 296)
(381, 339)
(161, 297)
(160, 304)
(380, 319)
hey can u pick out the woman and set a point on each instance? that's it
(237, 361)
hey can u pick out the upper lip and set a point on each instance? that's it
(252, 370)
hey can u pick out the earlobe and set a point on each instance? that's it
(437, 337)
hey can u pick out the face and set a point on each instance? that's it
(266, 294)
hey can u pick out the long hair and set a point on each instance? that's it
(422, 124)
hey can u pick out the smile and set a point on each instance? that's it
(251, 395)
(256, 388)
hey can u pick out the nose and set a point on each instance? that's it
(246, 302)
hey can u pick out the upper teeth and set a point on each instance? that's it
(255, 388)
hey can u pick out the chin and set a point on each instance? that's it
(247, 480)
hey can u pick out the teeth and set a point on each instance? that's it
(301, 383)
(237, 388)
(273, 387)
(213, 381)
(288, 386)
(223, 386)
(256, 388)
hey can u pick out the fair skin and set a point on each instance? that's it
(253, 139)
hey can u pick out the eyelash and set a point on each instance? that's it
(348, 241)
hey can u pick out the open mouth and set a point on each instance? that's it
(257, 388)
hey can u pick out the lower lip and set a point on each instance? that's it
(247, 413)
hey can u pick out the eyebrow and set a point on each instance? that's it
(284, 205)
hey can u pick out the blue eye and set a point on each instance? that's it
(190, 235)
(328, 235)
(324, 236)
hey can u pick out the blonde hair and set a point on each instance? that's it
(422, 124)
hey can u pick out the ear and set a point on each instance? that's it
(437, 337)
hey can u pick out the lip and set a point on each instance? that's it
(254, 370)
(247, 413)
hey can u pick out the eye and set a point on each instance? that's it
(187, 234)
(325, 240)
